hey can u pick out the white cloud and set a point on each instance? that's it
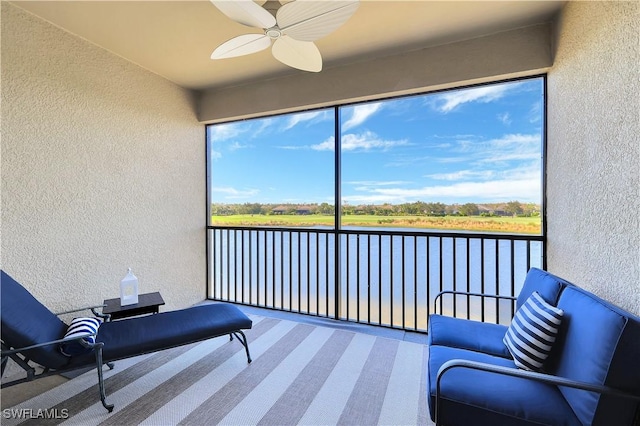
(505, 118)
(292, 147)
(367, 141)
(215, 154)
(370, 183)
(463, 175)
(512, 147)
(479, 183)
(230, 193)
(517, 139)
(222, 132)
(302, 117)
(327, 145)
(264, 124)
(527, 188)
(360, 114)
(449, 101)
(535, 113)
(237, 145)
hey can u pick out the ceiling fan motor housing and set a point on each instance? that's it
(273, 32)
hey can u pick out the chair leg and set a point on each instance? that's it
(243, 340)
(103, 396)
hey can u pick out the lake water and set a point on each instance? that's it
(389, 280)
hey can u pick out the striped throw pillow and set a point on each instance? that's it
(79, 327)
(533, 332)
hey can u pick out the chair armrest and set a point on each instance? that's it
(107, 317)
(531, 375)
(8, 352)
(466, 293)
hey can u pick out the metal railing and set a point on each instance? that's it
(380, 277)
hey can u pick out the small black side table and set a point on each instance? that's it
(148, 303)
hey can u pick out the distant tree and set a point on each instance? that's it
(409, 208)
(254, 208)
(469, 209)
(326, 209)
(436, 209)
(421, 207)
(452, 209)
(347, 209)
(513, 207)
(530, 209)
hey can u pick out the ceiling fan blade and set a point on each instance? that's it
(303, 55)
(241, 45)
(246, 12)
(310, 20)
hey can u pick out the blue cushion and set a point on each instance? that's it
(481, 398)
(466, 334)
(80, 327)
(546, 284)
(586, 350)
(135, 336)
(533, 332)
(26, 322)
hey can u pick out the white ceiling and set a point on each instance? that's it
(175, 38)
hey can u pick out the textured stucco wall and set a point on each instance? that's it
(593, 160)
(102, 168)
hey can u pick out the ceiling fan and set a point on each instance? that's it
(292, 27)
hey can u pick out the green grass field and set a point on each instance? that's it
(516, 225)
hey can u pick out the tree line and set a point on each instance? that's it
(418, 208)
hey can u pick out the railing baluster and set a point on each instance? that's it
(441, 267)
(228, 266)
(369, 279)
(454, 273)
(348, 264)
(513, 273)
(266, 274)
(242, 262)
(468, 240)
(235, 265)
(428, 273)
(415, 283)
(326, 274)
(482, 289)
(403, 281)
(282, 270)
(380, 279)
(391, 281)
(358, 278)
(308, 273)
(317, 274)
(273, 270)
(257, 302)
(299, 256)
(497, 280)
(250, 266)
(290, 271)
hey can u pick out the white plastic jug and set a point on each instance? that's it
(129, 289)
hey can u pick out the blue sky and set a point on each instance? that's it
(481, 145)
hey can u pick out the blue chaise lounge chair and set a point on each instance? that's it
(31, 333)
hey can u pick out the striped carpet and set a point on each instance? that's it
(300, 374)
